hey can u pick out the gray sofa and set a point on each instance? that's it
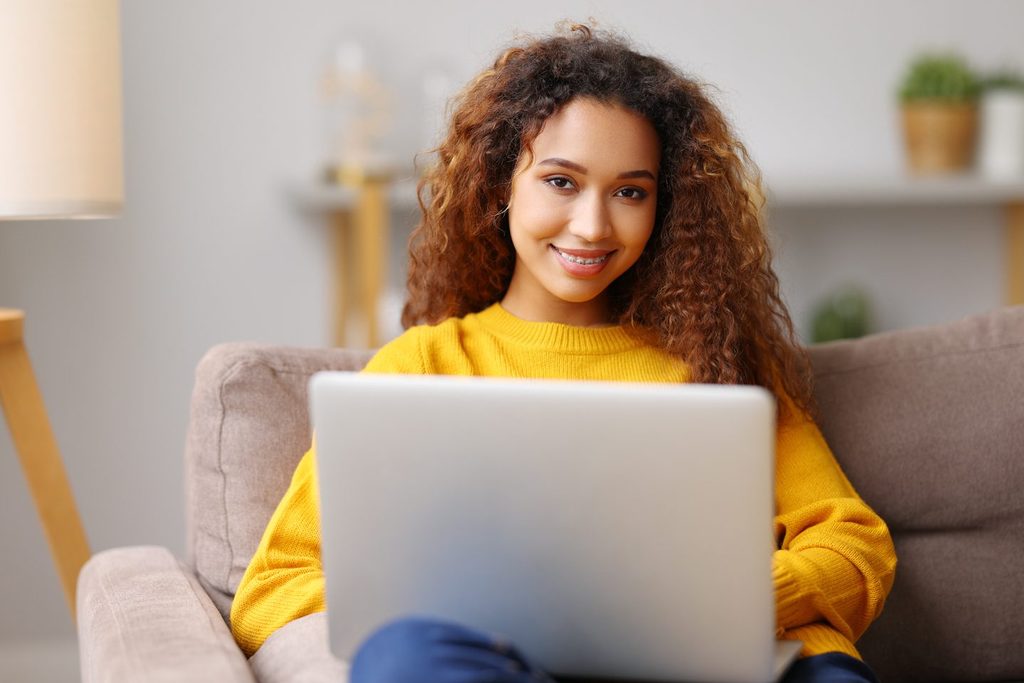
(928, 424)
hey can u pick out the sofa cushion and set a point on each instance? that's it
(298, 652)
(248, 428)
(929, 426)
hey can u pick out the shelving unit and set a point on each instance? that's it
(321, 197)
(359, 217)
(895, 190)
(905, 191)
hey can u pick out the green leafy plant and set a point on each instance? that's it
(844, 314)
(946, 78)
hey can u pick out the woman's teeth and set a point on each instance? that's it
(583, 261)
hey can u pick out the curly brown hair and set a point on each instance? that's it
(703, 289)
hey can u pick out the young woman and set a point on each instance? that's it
(591, 216)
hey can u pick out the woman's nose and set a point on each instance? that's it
(591, 221)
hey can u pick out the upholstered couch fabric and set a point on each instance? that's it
(928, 424)
(248, 427)
(297, 652)
(142, 616)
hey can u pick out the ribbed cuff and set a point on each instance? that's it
(821, 638)
(791, 608)
(788, 597)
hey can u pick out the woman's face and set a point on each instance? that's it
(581, 211)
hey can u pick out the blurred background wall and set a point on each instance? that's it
(223, 113)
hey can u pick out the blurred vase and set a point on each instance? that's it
(1001, 149)
(358, 117)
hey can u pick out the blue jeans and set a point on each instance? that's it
(425, 650)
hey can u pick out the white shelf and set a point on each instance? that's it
(895, 190)
(782, 192)
(323, 197)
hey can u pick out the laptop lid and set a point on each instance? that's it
(610, 530)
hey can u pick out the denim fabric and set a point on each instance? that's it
(831, 667)
(422, 650)
(427, 650)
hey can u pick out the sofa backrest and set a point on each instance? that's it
(927, 423)
(248, 428)
(929, 426)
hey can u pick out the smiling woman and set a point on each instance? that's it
(590, 217)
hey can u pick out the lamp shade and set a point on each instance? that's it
(60, 109)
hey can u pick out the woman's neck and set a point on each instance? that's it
(592, 313)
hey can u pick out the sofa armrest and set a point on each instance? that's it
(143, 617)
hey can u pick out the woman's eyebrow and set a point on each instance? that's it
(637, 174)
(555, 161)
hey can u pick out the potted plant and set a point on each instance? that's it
(939, 96)
(843, 314)
(1001, 150)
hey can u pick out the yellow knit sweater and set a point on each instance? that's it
(835, 560)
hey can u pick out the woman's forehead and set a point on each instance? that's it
(595, 134)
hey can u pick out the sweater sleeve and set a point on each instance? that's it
(284, 580)
(835, 561)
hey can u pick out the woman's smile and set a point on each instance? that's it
(582, 262)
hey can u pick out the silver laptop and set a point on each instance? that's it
(610, 530)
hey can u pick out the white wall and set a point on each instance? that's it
(222, 112)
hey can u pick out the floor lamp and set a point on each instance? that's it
(60, 157)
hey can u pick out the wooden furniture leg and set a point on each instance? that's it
(37, 449)
(1015, 253)
(372, 244)
(343, 280)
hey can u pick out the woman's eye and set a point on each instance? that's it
(559, 182)
(633, 193)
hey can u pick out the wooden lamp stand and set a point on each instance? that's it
(37, 449)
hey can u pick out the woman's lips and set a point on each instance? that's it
(582, 262)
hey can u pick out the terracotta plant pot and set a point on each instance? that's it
(940, 137)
